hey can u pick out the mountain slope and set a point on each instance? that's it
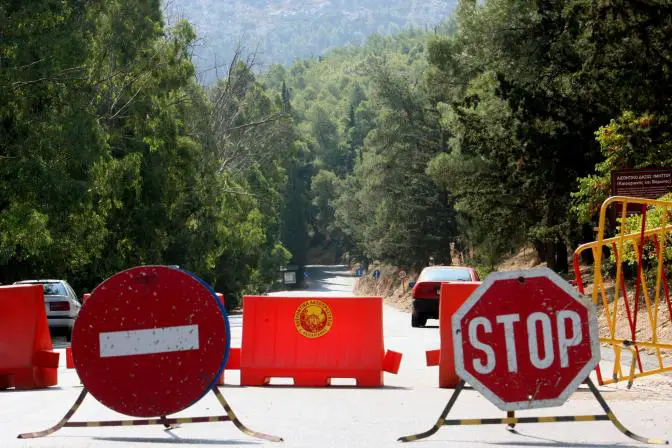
(281, 31)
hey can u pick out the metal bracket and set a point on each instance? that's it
(168, 423)
(511, 420)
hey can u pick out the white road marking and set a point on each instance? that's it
(152, 340)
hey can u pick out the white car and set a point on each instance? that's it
(61, 303)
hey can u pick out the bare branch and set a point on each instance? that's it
(140, 89)
(21, 67)
(264, 120)
(59, 77)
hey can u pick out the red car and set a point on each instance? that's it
(426, 290)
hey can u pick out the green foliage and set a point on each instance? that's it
(522, 88)
(325, 189)
(499, 108)
(475, 134)
(631, 141)
(112, 156)
(656, 217)
(490, 201)
(482, 270)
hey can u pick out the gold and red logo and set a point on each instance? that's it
(313, 318)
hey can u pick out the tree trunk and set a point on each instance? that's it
(561, 262)
(540, 248)
(549, 255)
(587, 234)
(555, 255)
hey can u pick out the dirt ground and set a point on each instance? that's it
(393, 288)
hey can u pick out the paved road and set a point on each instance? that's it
(339, 416)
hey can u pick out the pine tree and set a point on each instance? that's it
(286, 105)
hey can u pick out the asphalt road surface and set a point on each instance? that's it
(338, 416)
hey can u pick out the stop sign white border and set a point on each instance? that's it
(476, 296)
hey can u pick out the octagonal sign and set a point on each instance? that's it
(525, 339)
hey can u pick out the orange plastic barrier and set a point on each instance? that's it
(452, 296)
(26, 357)
(314, 340)
(69, 360)
(220, 380)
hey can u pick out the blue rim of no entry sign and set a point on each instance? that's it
(226, 324)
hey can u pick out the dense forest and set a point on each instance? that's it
(112, 155)
(279, 32)
(494, 130)
(497, 130)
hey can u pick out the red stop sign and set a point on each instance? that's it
(525, 339)
(150, 341)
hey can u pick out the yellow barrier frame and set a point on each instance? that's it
(637, 239)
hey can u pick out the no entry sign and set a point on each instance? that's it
(150, 341)
(525, 339)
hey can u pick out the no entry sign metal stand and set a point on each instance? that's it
(165, 421)
(511, 420)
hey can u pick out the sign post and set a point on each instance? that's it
(149, 342)
(526, 340)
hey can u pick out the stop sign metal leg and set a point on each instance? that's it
(616, 422)
(511, 426)
(442, 418)
(511, 420)
(167, 425)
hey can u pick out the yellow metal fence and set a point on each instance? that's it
(632, 272)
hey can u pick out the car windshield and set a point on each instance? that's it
(445, 275)
(54, 289)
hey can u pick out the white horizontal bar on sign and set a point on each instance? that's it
(151, 340)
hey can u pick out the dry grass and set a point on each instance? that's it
(393, 289)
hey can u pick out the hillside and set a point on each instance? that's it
(282, 31)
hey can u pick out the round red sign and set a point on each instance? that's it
(525, 339)
(150, 341)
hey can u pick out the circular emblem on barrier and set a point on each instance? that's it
(313, 318)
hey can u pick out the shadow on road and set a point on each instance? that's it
(333, 279)
(544, 442)
(334, 386)
(176, 440)
(44, 389)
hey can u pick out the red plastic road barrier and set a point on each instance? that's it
(26, 357)
(313, 340)
(69, 361)
(220, 297)
(453, 295)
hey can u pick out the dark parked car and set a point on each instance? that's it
(426, 290)
(61, 303)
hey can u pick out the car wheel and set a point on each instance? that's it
(68, 334)
(418, 320)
